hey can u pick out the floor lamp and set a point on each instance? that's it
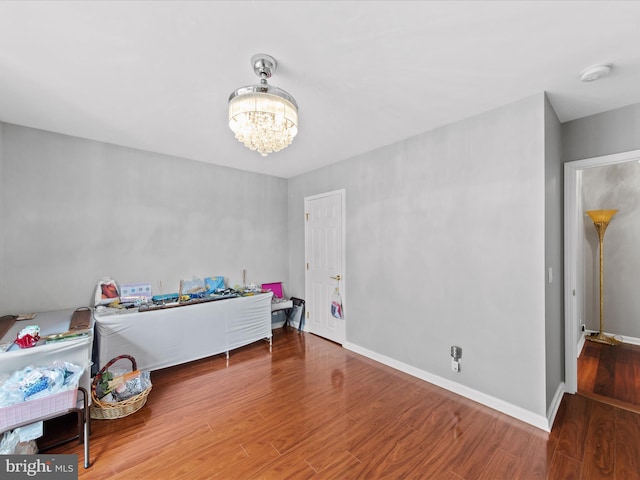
(601, 219)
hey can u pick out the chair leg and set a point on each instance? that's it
(85, 416)
(80, 426)
(87, 460)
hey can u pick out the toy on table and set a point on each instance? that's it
(28, 336)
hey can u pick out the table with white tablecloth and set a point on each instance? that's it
(165, 337)
(76, 351)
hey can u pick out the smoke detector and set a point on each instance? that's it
(594, 72)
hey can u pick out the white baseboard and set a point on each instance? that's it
(555, 404)
(539, 421)
(630, 340)
(622, 338)
(583, 338)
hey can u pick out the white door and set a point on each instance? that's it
(324, 263)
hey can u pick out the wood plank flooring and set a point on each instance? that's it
(610, 374)
(313, 410)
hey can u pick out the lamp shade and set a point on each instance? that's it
(600, 216)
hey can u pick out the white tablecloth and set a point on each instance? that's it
(76, 351)
(166, 337)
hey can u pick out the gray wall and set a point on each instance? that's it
(618, 186)
(613, 187)
(554, 260)
(610, 132)
(448, 238)
(445, 238)
(75, 210)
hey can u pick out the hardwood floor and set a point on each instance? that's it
(610, 374)
(313, 410)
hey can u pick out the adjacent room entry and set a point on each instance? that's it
(324, 264)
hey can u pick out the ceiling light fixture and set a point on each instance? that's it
(263, 117)
(594, 72)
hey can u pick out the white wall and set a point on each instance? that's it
(74, 210)
(446, 246)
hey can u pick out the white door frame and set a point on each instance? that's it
(573, 273)
(343, 274)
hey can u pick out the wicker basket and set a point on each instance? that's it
(108, 410)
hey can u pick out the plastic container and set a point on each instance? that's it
(34, 409)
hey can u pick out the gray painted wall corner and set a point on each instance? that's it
(554, 258)
(445, 245)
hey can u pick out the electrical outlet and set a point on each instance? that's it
(456, 354)
(455, 365)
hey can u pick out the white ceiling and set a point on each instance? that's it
(156, 75)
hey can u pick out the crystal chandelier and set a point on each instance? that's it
(263, 117)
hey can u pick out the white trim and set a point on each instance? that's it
(631, 340)
(572, 283)
(605, 160)
(539, 421)
(580, 346)
(555, 405)
(570, 273)
(622, 338)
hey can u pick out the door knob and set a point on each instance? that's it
(337, 277)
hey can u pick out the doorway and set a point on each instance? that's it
(608, 374)
(325, 278)
(574, 257)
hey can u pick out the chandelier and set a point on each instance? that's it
(263, 117)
